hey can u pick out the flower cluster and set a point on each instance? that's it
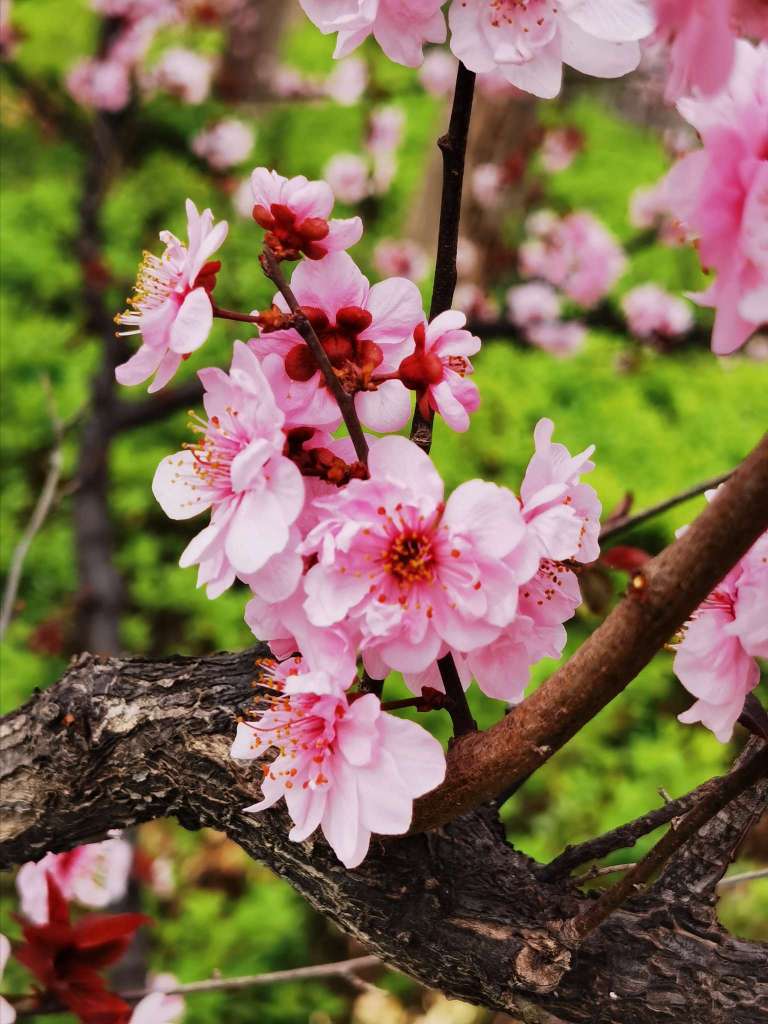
(652, 312)
(352, 551)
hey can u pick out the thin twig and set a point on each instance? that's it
(345, 970)
(39, 515)
(610, 530)
(345, 401)
(744, 876)
(613, 869)
(453, 146)
(231, 314)
(624, 836)
(729, 787)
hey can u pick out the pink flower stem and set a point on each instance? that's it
(346, 402)
(229, 314)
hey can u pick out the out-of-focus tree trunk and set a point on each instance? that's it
(251, 54)
(503, 132)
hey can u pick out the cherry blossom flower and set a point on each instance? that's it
(93, 875)
(562, 512)
(400, 27)
(651, 311)
(576, 254)
(7, 1012)
(295, 212)
(400, 258)
(363, 329)
(171, 306)
(476, 303)
(408, 573)
(347, 175)
(650, 208)
(101, 84)
(347, 82)
(385, 128)
(238, 470)
(438, 72)
(529, 40)
(224, 144)
(532, 303)
(159, 1007)
(488, 182)
(715, 660)
(66, 958)
(561, 338)
(467, 258)
(182, 73)
(437, 368)
(342, 764)
(720, 193)
(559, 149)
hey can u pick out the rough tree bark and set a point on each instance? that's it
(119, 742)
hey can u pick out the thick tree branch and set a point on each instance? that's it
(118, 742)
(666, 592)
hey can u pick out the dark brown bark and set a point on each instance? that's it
(119, 742)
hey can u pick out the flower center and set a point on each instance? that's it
(353, 358)
(215, 450)
(289, 238)
(410, 558)
(533, 21)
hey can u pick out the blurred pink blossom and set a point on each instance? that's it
(475, 303)
(559, 148)
(576, 254)
(652, 311)
(347, 174)
(94, 875)
(385, 128)
(182, 73)
(650, 208)
(558, 337)
(532, 303)
(224, 144)
(7, 1012)
(467, 258)
(101, 84)
(158, 1007)
(343, 765)
(347, 82)
(488, 181)
(720, 193)
(438, 72)
(400, 258)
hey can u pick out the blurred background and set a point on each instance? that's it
(109, 122)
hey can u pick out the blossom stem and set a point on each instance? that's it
(457, 706)
(623, 523)
(453, 146)
(346, 402)
(229, 314)
(729, 788)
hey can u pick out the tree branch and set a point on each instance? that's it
(668, 589)
(116, 742)
(453, 146)
(143, 411)
(345, 401)
(624, 523)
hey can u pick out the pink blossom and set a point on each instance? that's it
(476, 303)
(295, 212)
(559, 149)
(715, 660)
(94, 875)
(7, 1012)
(385, 129)
(400, 27)
(576, 254)
(720, 193)
(342, 764)
(347, 174)
(651, 311)
(101, 84)
(649, 208)
(488, 182)
(529, 40)
(347, 82)
(364, 330)
(438, 366)
(224, 144)
(182, 73)
(238, 470)
(400, 258)
(701, 44)
(171, 306)
(467, 258)
(407, 573)
(438, 72)
(159, 1007)
(560, 338)
(532, 303)
(562, 512)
